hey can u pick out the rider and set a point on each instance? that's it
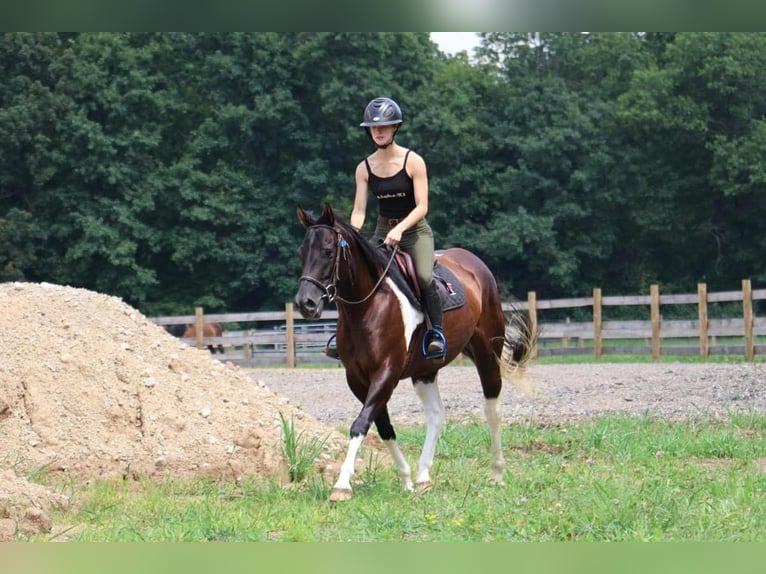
(398, 178)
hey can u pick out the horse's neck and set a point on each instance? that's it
(355, 280)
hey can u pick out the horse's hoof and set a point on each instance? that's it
(497, 481)
(423, 486)
(338, 494)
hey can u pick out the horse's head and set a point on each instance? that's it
(318, 254)
(176, 330)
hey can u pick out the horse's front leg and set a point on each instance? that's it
(428, 392)
(374, 404)
(387, 434)
(341, 490)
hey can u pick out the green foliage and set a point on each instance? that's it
(298, 450)
(165, 168)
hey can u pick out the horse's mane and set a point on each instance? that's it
(377, 257)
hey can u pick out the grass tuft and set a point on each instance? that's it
(298, 450)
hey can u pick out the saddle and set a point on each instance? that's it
(450, 289)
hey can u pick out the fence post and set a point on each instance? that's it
(747, 310)
(290, 331)
(597, 322)
(654, 304)
(199, 329)
(703, 322)
(532, 311)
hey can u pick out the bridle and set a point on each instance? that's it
(331, 290)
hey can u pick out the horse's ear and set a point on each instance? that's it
(329, 214)
(302, 216)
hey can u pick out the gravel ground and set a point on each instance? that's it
(565, 392)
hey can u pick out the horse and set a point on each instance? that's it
(379, 329)
(189, 330)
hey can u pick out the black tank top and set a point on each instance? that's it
(396, 193)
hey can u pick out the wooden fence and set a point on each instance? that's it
(703, 336)
(284, 337)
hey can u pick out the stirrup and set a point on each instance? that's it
(434, 336)
(331, 350)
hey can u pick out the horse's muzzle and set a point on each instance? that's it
(308, 307)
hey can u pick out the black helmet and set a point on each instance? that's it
(382, 112)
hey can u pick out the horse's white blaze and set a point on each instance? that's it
(411, 317)
(405, 473)
(428, 392)
(493, 409)
(347, 468)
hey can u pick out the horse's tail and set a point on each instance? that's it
(519, 349)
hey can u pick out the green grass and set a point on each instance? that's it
(614, 478)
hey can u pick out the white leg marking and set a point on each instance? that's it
(411, 317)
(493, 409)
(434, 409)
(347, 468)
(401, 464)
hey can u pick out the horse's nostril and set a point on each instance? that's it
(307, 307)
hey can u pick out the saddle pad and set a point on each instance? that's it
(450, 290)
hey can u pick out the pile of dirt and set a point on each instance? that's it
(91, 388)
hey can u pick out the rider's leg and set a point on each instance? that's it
(420, 245)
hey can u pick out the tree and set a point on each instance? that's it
(685, 120)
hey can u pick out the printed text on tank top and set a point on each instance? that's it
(395, 193)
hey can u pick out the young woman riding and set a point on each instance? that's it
(398, 179)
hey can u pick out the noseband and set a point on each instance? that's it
(331, 290)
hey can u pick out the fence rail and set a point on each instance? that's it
(284, 337)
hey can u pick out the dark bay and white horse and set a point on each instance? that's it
(380, 328)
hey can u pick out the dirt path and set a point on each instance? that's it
(670, 390)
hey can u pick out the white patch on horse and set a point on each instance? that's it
(411, 317)
(428, 392)
(347, 468)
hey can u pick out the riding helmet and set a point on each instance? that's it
(382, 112)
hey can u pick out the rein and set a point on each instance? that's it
(331, 290)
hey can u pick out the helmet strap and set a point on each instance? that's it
(389, 144)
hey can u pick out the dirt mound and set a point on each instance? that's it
(90, 388)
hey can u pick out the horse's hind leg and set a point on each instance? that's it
(491, 384)
(493, 409)
(428, 392)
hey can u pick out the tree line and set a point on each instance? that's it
(164, 168)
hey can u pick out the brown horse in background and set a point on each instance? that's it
(380, 327)
(190, 331)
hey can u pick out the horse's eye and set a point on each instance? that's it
(328, 253)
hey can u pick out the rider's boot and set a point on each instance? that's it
(434, 343)
(331, 348)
